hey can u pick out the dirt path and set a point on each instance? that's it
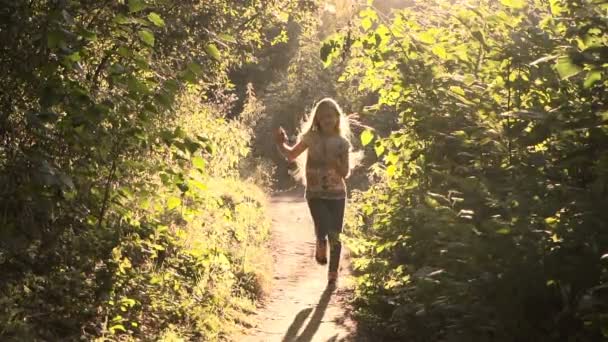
(301, 307)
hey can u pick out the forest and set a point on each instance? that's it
(136, 163)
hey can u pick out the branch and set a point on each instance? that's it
(106, 195)
(100, 67)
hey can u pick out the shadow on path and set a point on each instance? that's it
(314, 323)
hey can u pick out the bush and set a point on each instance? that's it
(113, 132)
(487, 222)
(179, 258)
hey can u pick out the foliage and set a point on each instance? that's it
(291, 92)
(488, 223)
(112, 138)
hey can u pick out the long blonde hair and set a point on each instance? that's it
(311, 123)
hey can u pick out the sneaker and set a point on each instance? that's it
(332, 277)
(321, 252)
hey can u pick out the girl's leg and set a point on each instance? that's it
(320, 216)
(336, 209)
(318, 211)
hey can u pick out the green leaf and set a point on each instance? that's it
(503, 231)
(146, 36)
(74, 57)
(366, 137)
(440, 51)
(137, 86)
(195, 68)
(173, 202)
(551, 221)
(88, 35)
(213, 51)
(392, 158)
(188, 76)
(566, 68)
(280, 38)
(156, 19)
(592, 77)
(54, 39)
(137, 5)
(457, 90)
(379, 149)
(514, 3)
(390, 170)
(283, 16)
(117, 327)
(226, 37)
(427, 37)
(556, 7)
(366, 23)
(197, 184)
(198, 163)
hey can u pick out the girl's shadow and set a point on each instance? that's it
(315, 320)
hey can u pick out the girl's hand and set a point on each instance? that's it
(280, 137)
(340, 164)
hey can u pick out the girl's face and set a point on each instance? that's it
(327, 118)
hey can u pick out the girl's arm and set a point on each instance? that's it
(342, 164)
(291, 153)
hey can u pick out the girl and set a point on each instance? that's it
(324, 147)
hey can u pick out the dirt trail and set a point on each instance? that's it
(301, 307)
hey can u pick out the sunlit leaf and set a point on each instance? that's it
(173, 202)
(199, 163)
(283, 16)
(566, 68)
(458, 90)
(117, 327)
(366, 137)
(551, 221)
(74, 57)
(427, 37)
(592, 77)
(146, 36)
(199, 185)
(440, 51)
(137, 5)
(379, 149)
(513, 3)
(213, 51)
(195, 68)
(156, 19)
(556, 7)
(227, 38)
(431, 202)
(390, 170)
(392, 158)
(366, 23)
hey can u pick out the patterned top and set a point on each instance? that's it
(322, 179)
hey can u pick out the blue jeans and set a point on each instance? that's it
(328, 217)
